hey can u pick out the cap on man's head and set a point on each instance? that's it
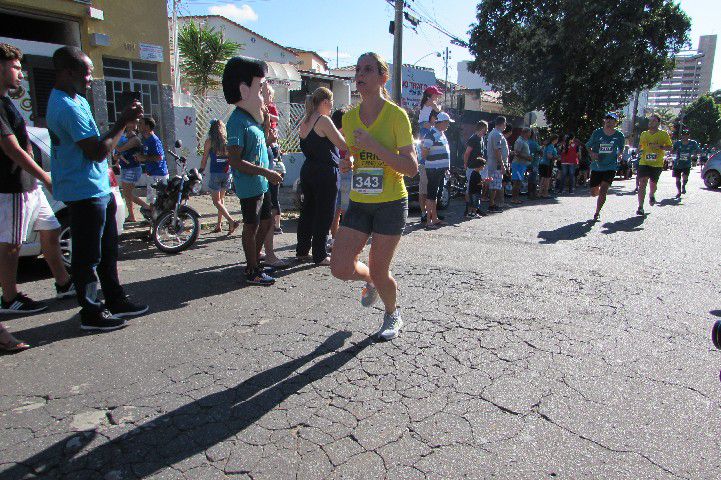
(444, 117)
(433, 90)
(611, 115)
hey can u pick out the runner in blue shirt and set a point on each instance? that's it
(605, 147)
(684, 149)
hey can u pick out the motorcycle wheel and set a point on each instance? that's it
(171, 238)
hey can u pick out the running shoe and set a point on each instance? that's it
(258, 277)
(424, 218)
(392, 324)
(652, 200)
(21, 304)
(65, 291)
(277, 231)
(596, 217)
(122, 308)
(470, 214)
(480, 212)
(640, 211)
(369, 295)
(678, 195)
(100, 320)
(683, 189)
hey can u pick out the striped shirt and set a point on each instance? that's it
(439, 154)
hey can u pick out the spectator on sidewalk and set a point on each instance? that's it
(536, 152)
(475, 149)
(80, 179)
(131, 170)
(521, 160)
(23, 205)
(437, 157)
(545, 168)
(215, 149)
(569, 161)
(497, 162)
(243, 80)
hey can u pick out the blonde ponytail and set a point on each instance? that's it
(312, 101)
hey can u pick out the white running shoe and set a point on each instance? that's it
(392, 324)
(369, 295)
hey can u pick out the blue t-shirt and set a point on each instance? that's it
(246, 133)
(218, 164)
(128, 155)
(74, 176)
(439, 153)
(550, 150)
(684, 152)
(152, 146)
(608, 147)
(535, 149)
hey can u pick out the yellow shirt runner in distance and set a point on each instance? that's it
(373, 180)
(651, 146)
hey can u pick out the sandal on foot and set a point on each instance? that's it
(10, 344)
(233, 227)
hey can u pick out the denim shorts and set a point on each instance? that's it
(131, 174)
(518, 171)
(385, 218)
(219, 181)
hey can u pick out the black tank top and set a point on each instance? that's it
(319, 150)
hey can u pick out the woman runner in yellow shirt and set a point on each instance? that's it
(378, 134)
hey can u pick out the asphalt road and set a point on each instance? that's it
(536, 346)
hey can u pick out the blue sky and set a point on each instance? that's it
(357, 26)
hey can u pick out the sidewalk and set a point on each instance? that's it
(203, 204)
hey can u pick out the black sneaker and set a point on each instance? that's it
(652, 200)
(65, 291)
(258, 277)
(123, 308)
(21, 304)
(494, 208)
(101, 320)
(683, 190)
(640, 211)
(678, 195)
(480, 212)
(424, 217)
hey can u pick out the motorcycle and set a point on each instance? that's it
(174, 225)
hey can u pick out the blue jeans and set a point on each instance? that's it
(474, 202)
(94, 235)
(568, 172)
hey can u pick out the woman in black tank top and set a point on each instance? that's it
(319, 142)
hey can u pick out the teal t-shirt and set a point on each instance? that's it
(608, 147)
(549, 150)
(535, 149)
(246, 133)
(74, 176)
(684, 152)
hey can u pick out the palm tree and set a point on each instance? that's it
(203, 52)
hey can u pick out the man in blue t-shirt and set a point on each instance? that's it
(684, 150)
(153, 157)
(605, 147)
(243, 79)
(437, 156)
(79, 171)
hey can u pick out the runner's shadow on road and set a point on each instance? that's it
(193, 428)
(715, 313)
(573, 231)
(631, 224)
(673, 202)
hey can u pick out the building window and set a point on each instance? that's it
(131, 76)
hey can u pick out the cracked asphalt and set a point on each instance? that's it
(536, 346)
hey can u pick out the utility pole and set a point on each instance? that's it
(633, 118)
(398, 52)
(337, 55)
(445, 90)
(176, 50)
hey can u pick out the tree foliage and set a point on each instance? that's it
(203, 52)
(703, 120)
(575, 59)
(716, 95)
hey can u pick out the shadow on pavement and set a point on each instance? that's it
(573, 231)
(715, 313)
(630, 224)
(192, 428)
(669, 202)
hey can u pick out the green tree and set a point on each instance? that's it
(703, 120)
(576, 60)
(716, 95)
(203, 52)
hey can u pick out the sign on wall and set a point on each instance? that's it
(150, 52)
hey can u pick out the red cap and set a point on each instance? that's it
(433, 90)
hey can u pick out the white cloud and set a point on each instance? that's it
(233, 12)
(331, 54)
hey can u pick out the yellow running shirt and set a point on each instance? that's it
(651, 146)
(373, 180)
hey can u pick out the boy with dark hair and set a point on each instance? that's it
(23, 205)
(243, 80)
(80, 179)
(153, 157)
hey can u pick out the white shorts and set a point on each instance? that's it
(22, 212)
(150, 193)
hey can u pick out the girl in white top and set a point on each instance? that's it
(429, 103)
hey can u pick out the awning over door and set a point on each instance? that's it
(283, 75)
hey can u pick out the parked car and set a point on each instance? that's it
(711, 171)
(40, 139)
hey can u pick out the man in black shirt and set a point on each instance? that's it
(23, 205)
(475, 149)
